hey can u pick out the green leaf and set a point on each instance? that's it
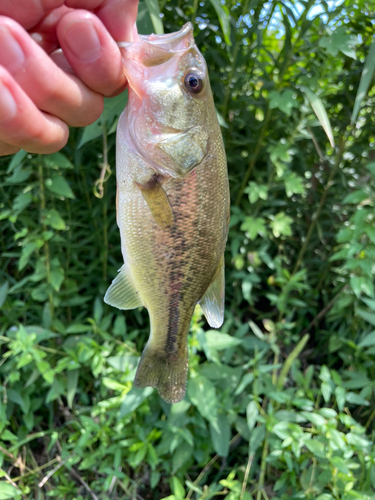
(256, 191)
(224, 19)
(367, 316)
(253, 227)
(246, 380)
(316, 447)
(59, 186)
(3, 293)
(356, 399)
(366, 78)
(54, 219)
(220, 435)
(355, 197)
(113, 107)
(21, 202)
(326, 391)
(252, 413)
(202, 394)
(219, 341)
(90, 133)
(133, 399)
(154, 11)
(72, 385)
(371, 166)
(27, 251)
(56, 390)
(340, 394)
(285, 101)
(368, 340)
(8, 491)
(19, 175)
(314, 418)
(358, 441)
(56, 278)
(177, 488)
(144, 23)
(321, 113)
(182, 455)
(281, 225)
(58, 160)
(293, 184)
(340, 41)
(257, 437)
(16, 160)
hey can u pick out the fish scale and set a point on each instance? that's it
(173, 203)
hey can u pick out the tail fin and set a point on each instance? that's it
(165, 372)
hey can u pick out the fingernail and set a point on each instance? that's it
(11, 54)
(83, 40)
(8, 106)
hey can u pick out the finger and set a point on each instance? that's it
(118, 16)
(44, 33)
(27, 13)
(23, 125)
(91, 52)
(7, 149)
(50, 88)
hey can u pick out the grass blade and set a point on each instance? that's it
(154, 11)
(224, 16)
(366, 77)
(320, 112)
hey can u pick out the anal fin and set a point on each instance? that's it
(212, 302)
(157, 200)
(121, 293)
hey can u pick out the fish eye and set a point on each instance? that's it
(193, 83)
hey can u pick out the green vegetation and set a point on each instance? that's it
(280, 401)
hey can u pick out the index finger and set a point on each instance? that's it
(27, 13)
(118, 16)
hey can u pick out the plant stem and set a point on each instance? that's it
(289, 360)
(254, 157)
(320, 206)
(194, 14)
(233, 66)
(246, 477)
(46, 244)
(263, 467)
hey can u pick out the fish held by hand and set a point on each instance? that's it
(172, 202)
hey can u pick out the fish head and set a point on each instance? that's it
(170, 101)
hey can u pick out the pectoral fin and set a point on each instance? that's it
(158, 202)
(121, 293)
(212, 302)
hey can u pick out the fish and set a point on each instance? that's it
(172, 202)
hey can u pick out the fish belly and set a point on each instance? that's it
(172, 267)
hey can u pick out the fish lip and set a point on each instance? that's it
(168, 37)
(165, 39)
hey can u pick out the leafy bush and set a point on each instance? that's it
(280, 400)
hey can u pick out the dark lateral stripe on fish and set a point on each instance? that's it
(176, 281)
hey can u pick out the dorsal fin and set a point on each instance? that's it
(212, 302)
(121, 293)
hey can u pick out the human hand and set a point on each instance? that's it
(42, 90)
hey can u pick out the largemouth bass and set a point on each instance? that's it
(172, 202)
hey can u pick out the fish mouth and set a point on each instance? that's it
(180, 40)
(169, 38)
